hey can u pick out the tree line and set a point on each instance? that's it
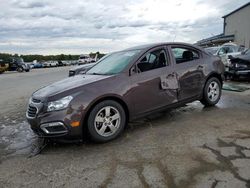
(61, 57)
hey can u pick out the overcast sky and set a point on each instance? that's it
(83, 26)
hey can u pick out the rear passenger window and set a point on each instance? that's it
(184, 55)
(153, 60)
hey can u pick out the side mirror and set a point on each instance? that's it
(132, 70)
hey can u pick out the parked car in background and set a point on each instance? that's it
(124, 86)
(74, 62)
(50, 64)
(212, 50)
(61, 63)
(3, 66)
(37, 65)
(84, 59)
(225, 51)
(17, 64)
(80, 69)
(67, 63)
(246, 52)
(229, 49)
(239, 67)
(14, 64)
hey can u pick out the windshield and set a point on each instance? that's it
(113, 63)
(247, 52)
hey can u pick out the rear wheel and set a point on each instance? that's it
(106, 121)
(211, 92)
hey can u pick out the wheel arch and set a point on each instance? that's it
(95, 102)
(216, 75)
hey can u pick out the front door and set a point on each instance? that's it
(154, 85)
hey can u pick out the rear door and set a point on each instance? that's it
(189, 69)
(153, 84)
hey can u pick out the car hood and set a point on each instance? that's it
(245, 58)
(67, 84)
(233, 54)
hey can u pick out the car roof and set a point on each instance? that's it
(213, 47)
(152, 45)
(230, 44)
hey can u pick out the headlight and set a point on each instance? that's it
(229, 63)
(59, 104)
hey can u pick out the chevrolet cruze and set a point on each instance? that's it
(123, 86)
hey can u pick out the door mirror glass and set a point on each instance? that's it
(132, 71)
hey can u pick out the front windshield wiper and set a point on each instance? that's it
(95, 73)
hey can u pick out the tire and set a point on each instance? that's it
(20, 69)
(211, 92)
(100, 123)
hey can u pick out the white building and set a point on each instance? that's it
(236, 29)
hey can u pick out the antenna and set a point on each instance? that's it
(174, 37)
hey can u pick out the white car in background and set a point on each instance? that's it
(225, 51)
(50, 64)
(84, 59)
(212, 50)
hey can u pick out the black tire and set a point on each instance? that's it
(206, 100)
(91, 124)
(20, 69)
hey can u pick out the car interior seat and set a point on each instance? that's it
(187, 56)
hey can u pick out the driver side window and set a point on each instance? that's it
(153, 60)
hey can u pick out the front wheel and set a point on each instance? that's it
(211, 92)
(106, 121)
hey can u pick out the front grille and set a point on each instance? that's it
(32, 111)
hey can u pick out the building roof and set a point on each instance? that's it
(152, 45)
(236, 10)
(221, 38)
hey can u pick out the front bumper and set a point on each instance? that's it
(245, 73)
(56, 124)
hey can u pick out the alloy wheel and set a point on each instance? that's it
(213, 91)
(107, 121)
